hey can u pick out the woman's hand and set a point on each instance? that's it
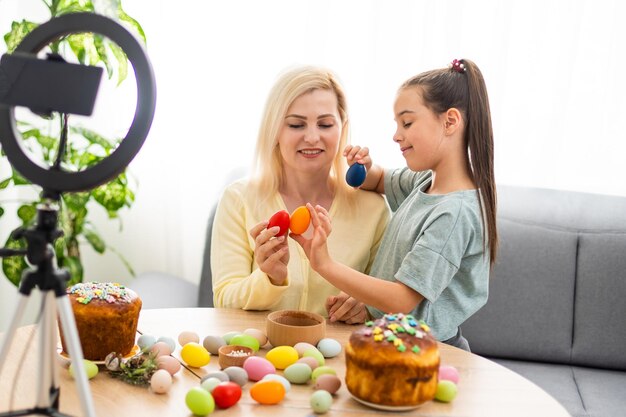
(356, 154)
(342, 307)
(316, 248)
(272, 254)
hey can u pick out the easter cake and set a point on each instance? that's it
(392, 361)
(106, 318)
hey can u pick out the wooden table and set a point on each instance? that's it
(485, 388)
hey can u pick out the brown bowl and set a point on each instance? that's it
(227, 358)
(288, 327)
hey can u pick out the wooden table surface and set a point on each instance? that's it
(485, 388)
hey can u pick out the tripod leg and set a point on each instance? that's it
(10, 334)
(45, 366)
(76, 354)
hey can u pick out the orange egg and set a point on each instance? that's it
(300, 219)
(267, 392)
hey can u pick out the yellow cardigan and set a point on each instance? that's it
(239, 283)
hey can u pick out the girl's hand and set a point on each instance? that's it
(271, 254)
(356, 154)
(316, 248)
(344, 308)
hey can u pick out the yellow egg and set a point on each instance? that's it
(195, 355)
(282, 356)
(300, 219)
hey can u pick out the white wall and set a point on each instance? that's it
(554, 70)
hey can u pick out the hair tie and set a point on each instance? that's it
(458, 66)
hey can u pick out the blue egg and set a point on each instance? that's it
(356, 175)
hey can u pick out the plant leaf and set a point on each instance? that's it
(122, 62)
(75, 268)
(13, 266)
(98, 41)
(4, 184)
(111, 196)
(1, 211)
(18, 179)
(94, 239)
(76, 201)
(93, 137)
(132, 22)
(18, 32)
(26, 213)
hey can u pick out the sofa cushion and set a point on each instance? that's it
(532, 276)
(584, 392)
(600, 312)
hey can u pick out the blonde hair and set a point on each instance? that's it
(268, 164)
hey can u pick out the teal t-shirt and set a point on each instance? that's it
(434, 245)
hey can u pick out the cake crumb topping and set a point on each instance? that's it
(390, 326)
(107, 291)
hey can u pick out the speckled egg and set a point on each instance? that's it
(213, 343)
(237, 374)
(257, 368)
(328, 382)
(258, 335)
(329, 347)
(298, 373)
(321, 401)
(168, 363)
(282, 356)
(279, 378)
(161, 381)
(188, 336)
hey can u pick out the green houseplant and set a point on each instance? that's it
(85, 147)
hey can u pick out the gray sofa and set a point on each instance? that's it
(557, 305)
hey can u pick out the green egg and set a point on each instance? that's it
(321, 370)
(321, 401)
(91, 369)
(228, 336)
(298, 373)
(199, 401)
(314, 353)
(446, 391)
(245, 340)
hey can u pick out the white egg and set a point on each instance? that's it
(329, 347)
(161, 381)
(258, 335)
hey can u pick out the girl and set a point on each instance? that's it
(436, 253)
(304, 129)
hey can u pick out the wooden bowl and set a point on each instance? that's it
(288, 327)
(227, 358)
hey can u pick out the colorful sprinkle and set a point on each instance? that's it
(378, 338)
(369, 323)
(401, 348)
(416, 349)
(109, 292)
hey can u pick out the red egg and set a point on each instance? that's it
(226, 394)
(280, 219)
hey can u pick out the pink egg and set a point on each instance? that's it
(448, 373)
(258, 367)
(169, 363)
(161, 349)
(311, 361)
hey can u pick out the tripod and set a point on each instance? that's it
(51, 281)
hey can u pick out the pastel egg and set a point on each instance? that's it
(302, 347)
(161, 381)
(356, 175)
(257, 368)
(314, 353)
(91, 369)
(267, 392)
(322, 370)
(448, 373)
(282, 356)
(188, 336)
(228, 336)
(300, 220)
(245, 340)
(168, 363)
(279, 378)
(446, 391)
(329, 347)
(321, 401)
(298, 373)
(209, 384)
(195, 355)
(170, 342)
(221, 375)
(328, 382)
(161, 349)
(309, 360)
(213, 343)
(146, 341)
(199, 401)
(280, 219)
(257, 334)
(237, 374)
